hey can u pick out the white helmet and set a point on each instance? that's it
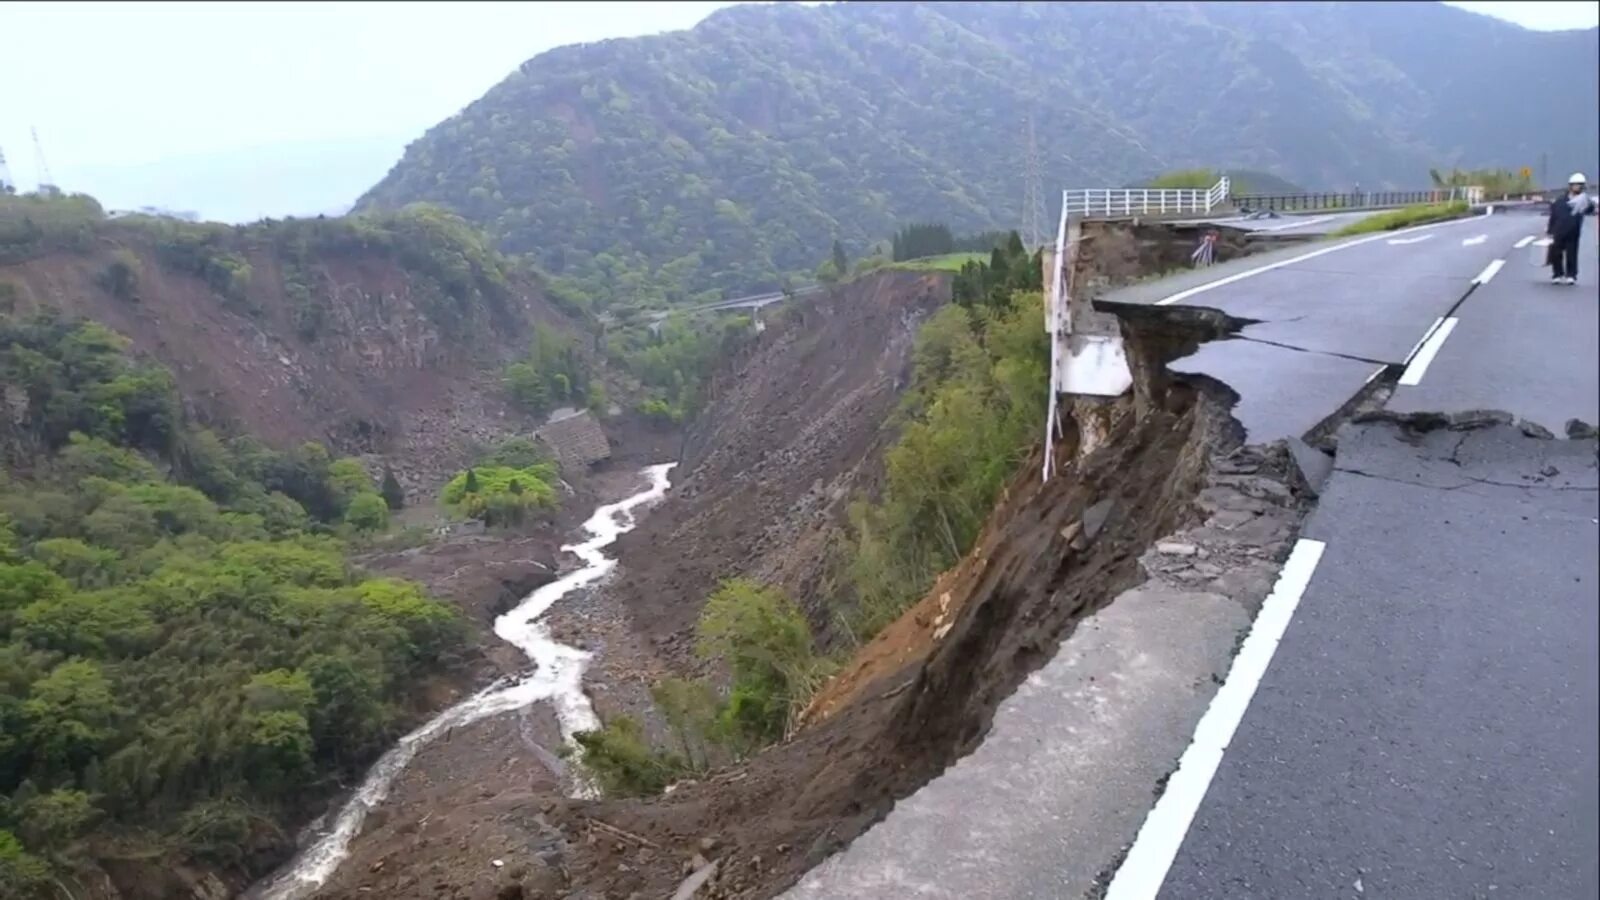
(1577, 178)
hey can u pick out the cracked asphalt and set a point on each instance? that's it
(1427, 725)
(1427, 728)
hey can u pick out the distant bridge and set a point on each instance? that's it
(751, 302)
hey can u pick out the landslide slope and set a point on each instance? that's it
(380, 335)
(795, 427)
(722, 156)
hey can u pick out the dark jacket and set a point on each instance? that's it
(1564, 223)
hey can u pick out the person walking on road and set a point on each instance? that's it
(1566, 225)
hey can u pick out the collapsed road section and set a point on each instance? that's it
(1427, 727)
(1158, 461)
(1407, 735)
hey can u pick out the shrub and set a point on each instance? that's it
(1417, 214)
(623, 761)
(120, 278)
(367, 512)
(501, 495)
(767, 644)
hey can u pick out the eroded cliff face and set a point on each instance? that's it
(369, 346)
(795, 430)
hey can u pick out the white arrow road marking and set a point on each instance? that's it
(1523, 243)
(1416, 240)
(1471, 241)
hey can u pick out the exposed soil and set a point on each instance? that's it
(794, 428)
(378, 378)
(918, 698)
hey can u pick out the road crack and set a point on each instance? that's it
(1469, 482)
(1349, 356)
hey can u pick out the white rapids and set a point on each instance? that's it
(557, 677)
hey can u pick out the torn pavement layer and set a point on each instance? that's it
(1428, 726)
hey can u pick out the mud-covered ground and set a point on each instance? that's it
(794, 427)
(915, 700)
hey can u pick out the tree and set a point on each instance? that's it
(527, 387)
(368, 512)
(349, 477)
(598, 402)
(53, 820)
(471, 485)
(767, 644)
(840, 263)
(393, 494)
(21, 873)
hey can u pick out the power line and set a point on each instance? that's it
(1032, 189)
(46, 180)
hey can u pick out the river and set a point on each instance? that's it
(556, 677)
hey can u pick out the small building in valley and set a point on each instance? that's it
(575, 439)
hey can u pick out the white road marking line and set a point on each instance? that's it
(1145, 867)
(1523, 243)
(1425, 335)
(1474, 241)
(1375, 373)
(1489, 272)
(1418, 366)
(1248, 273)
(1416, 240)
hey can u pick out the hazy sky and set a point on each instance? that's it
(120, 84)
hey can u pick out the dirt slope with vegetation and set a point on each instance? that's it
(384, 336)
(911, 702)
(796, 425)
(837, 471)
(211, 620)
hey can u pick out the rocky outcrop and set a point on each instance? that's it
(576, 440)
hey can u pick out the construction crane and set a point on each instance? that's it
(47, 183)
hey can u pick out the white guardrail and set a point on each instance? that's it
(1145, 201)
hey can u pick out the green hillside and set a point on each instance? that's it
(716, 159)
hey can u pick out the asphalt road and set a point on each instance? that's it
(1520, 343)
(1294, 223)
(1427, 727)
(1331, 314)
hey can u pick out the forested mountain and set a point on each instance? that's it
(720, 157)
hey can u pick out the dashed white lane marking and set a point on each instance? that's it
(1416, 240)
(1145, 867)
(1249, 273)
(1523, 243)
(1474, 241)
(1418, 366)
(1489, 272)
